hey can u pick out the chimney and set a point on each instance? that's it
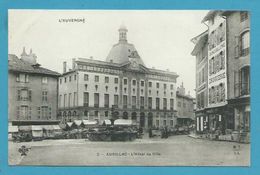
(73, 64)
(64, 67)
(29, 58)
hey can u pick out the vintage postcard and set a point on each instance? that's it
(128, 87)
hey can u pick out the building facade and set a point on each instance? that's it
(201, 52)
(32, 91)
(185, 107)
(120, 87)
(227, 41)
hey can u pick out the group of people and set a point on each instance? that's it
(164, 132)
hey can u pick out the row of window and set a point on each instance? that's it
(125, 90)
(69, 78)
(217, 36)
(65, 102)
(99, 69)
(125, 101)
(184, 105)
(217, 94)
(24, 78)
(217, 63)
(24, 112)
(125, 81)
(26, 95)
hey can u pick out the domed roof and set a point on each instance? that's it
(123, 51)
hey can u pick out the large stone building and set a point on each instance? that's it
(226, 103)
(185, 107)
(32, 91)
(120, 87)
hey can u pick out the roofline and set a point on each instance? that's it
(209, 15)
(192, 39)
(25, 71)
(152, 70)
(194, 51)
(185, 96)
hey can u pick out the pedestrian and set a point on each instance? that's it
(166, 132)
(150, 133)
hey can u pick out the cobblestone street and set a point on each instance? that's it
(174, 151)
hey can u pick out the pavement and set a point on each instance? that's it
(175, 151)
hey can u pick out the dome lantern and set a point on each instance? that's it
(122, 33)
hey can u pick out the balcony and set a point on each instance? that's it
(96, 105)
(85, 104)
(125, 106)
(106, 105)
(242, 89)
(245, 52)
(133, 106)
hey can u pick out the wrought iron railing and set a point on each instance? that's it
(242, 89)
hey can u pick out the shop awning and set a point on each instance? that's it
(56, 127)
(36, 128)
(25, 128)
(47, 127)
(69, 124)
(89, 122)
(13, 129)
(123, 122)
(107, 122)
(78, 122)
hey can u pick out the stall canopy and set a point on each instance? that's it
(89, 122)
(36, 128)
(47, 127)
(78, 122)
(56, 127)
(123, 122)
(69, 124)
(25, 128)
(12, 129)
(107, 122)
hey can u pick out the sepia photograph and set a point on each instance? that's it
(128, 87)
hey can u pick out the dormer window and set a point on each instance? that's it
(24, 78)
(44, 80)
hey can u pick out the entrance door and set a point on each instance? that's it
(125, 115)
(150, 120)
(142, 119)
(134, 116)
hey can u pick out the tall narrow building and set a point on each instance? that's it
(227, 42)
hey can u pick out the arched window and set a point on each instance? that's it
(245, 43)
(245, 80)
(125, 115)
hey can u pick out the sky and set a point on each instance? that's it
(161, 37)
